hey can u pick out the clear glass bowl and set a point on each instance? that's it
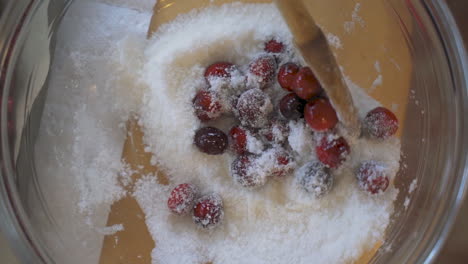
(434, 143)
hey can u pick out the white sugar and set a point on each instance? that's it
(105, 70)
(334, 41)
(261, 225)
(92, 89)
(413, 186)
(254, 145)
(111, 230)
(349, 26)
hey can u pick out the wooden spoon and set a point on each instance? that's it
(313, 45)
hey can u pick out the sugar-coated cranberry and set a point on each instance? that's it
(262, 71)
(372, 177)
(211, 140)
(238, 139)
(320, 115)
(292, 107)
(253, 107)
(332, 151)
(315, 178)
(306, 84)
(219, 70)
(287, 75)
(274, 46)
(283, 162)
(381, 123)
(182, 198)
(245, 172)
(208, 211)
(206, 105)
(276, 132)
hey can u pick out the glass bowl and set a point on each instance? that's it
(434, 141)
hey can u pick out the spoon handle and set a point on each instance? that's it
(313, 45)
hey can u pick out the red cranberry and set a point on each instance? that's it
(253, 107)
(320, 115)
(219, 69)
(276, 132)
(381, 123)
(283, 163)
(306, 85)
(238, 136)
(371, 177)
(244, 173)
(208, 211)
(262, 71)
(207, 106)
(332, 152)
(274, 46)
(315, 178)
(292, 107)
(287, 75)
(211, 140)
(182, 198)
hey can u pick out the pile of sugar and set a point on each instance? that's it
(92, 90)
(105, 69)
(279, 223)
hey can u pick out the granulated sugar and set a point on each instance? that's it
(279, 223)
(106, 70)
(92, 91)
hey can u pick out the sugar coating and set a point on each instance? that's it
(245, 172)
(254, 145)
(254, 107)
(368, 172)
(182, 198)
(213, 204)
(261, 71)
(315, 178)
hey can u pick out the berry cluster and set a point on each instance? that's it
(207, 210)
(259, 140)
(379, 124)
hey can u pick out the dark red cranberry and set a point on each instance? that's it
(371, 177)
(211, 140)
(381, 123)
(243, 172)
(287, 75)
(274, 46)
(182, 198)
(207, 106)
(332, 152)
(253, 107)
(306, 84)
(208, 211)
(292, 107)
(262, 71)
(320, 115)
(219, 69)
(315, 178)
(276, 132)
(238, 137)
